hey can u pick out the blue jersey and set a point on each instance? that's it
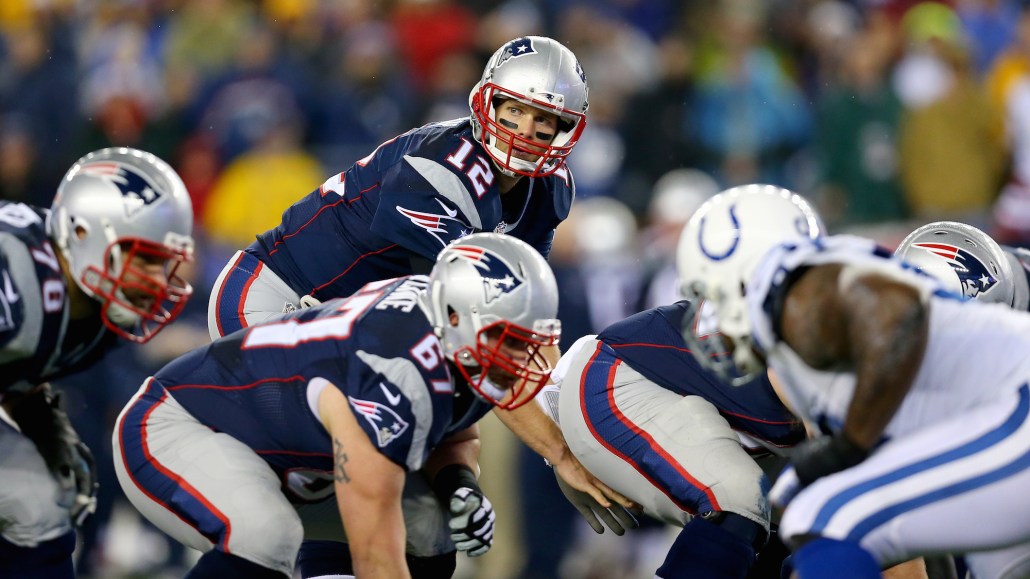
(38, 342)
(260, 384)
(408, 199)
(652, 344)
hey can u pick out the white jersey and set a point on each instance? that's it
(959, 330)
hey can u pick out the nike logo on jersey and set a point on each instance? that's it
(450, 212)
(393, 399)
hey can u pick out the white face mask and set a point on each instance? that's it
(922, 79)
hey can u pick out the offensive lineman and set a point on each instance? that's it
(227, 447)
(98, 265)
(639, 411)
(922, 397)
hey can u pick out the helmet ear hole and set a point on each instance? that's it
(80, 232)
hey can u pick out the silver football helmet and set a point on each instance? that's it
(965, 259)
(718, 251)
(539, 72)
(123, 222)
(492, 300)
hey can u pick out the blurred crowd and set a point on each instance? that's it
(886, 113)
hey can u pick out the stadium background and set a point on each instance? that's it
(887, 113)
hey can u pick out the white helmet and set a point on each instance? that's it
(539, 72)
(490, 285)
(115, 205)
(718, 251)
(965, 259)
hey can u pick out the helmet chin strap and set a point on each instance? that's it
(488, 390)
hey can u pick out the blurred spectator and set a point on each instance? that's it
(658, 124)
(676, 196)
(751, 117)
(952, 157)
(21, 177)
(364, 99)
(427, 31)
(39, 87)
(250, 193)
(990, 26)
(856, 141)
(203, 36)
(261, 86)
(1009, 88)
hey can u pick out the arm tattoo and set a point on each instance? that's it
(339, 462)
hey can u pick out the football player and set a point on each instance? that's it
(235, 448)
(98, 265)
(970, 262)
(639, 411)
(921, 396)
(501, 169)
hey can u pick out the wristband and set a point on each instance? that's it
(451, 478)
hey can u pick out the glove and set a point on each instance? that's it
(69, 460)
(472, 515)
(812, 460)
(472, 521)
(617, 517)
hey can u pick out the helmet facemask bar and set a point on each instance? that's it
(551, 157)
(526, 374)
(162, 299)
(732, 360)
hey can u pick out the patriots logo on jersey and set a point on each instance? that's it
(974, 274)
(516, 48)
(499, 278)
(431, 222)
(137, 192)
(386, 423)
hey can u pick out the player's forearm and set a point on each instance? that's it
(537, 431)
(463, 450)
(379, 556)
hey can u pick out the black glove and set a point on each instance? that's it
(40, 418)
(617, 517)
(818, 457)
(472, 515)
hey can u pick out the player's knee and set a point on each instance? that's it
(273, 539)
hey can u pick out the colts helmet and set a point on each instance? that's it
(965, 259)
(718, 250)
(490, 285)
(113, 206)
(539, 72)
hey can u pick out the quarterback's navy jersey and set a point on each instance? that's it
(652, 344)
(260, 384)
(409, 198)
(37, 341)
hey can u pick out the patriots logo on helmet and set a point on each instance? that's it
(973, 274)
(516, 48)
(386, 423)
(137, 192)
(498, 277)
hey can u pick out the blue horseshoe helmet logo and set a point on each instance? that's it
(733, 246)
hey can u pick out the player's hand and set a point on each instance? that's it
(812, 460)
(472, 521)
(616, 516)
(592, 497)
(84, 470)
(40, 418)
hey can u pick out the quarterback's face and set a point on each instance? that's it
(529, 123)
